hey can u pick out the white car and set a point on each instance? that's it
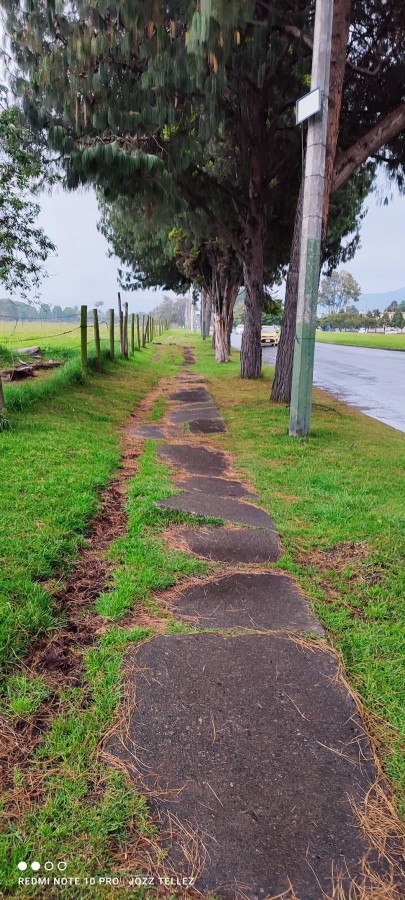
(239, 329)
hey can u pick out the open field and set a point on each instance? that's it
(337, 502)
(380, 341)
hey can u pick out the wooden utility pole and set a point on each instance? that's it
(112, 348)
(311, 232)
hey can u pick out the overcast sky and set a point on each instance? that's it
(82, 272)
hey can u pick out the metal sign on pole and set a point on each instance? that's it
(310, 257)
(308, 106)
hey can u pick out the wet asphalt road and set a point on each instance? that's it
(372, 380)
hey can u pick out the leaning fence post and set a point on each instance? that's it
(138, 332)
(97, 338)
(112, 348)
(83, 337)
(132, 334)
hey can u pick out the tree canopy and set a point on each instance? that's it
(338, 290)
(24, 247)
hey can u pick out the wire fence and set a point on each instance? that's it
(134, 335)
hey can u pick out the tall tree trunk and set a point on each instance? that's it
(223, 288)
(230, 327)
(253, 263)
(221, 339)
(251, 349)
(223, 304)
(206, 312)
(281, 390)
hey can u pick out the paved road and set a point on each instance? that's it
(372, 380)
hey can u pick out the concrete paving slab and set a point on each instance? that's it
(199, 504)
(195, 460)
(255, 743)
(263, 601)
(193, 395)
(191, 411)
(148, 431)
(230, 545)
(218, 487)
(207, 426)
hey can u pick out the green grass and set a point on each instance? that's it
(143, 561)
(380, 341)
(87, 812)
(338, 502)
(55, 460)
(158, 409)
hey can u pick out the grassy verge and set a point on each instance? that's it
(338, 500)
(63, 803)
(379, 341)
(88, 813)
(55, 460)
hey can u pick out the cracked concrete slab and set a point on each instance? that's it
(229, 545)
(195, 460)
(193, 410)
(198, 504)
(148, 431)
(253, 742)
(218, 487)
(193, 395)
(207, 426)
(261, 601)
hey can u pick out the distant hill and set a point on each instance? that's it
(380, 301)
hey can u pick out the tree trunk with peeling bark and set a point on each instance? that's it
(222, 290)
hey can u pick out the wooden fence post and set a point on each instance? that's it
(132, 334)
(121, 325)
(97, 338)
(143, 332)
(138, 332)
(83, 337)
(112, 348)
(125, 332)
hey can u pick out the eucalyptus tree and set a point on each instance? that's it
(124, 95)
(24, 247)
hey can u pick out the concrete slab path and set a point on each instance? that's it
(251, 742)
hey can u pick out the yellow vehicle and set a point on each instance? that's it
(269, 335)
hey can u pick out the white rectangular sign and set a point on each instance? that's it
(308, 105)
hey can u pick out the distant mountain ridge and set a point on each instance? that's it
(380, 301)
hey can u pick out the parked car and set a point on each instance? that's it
(269, 336)
(239, 329)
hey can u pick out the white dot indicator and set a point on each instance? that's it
(48, 865)
(62, 865)
(22, 866)
(35, 866)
